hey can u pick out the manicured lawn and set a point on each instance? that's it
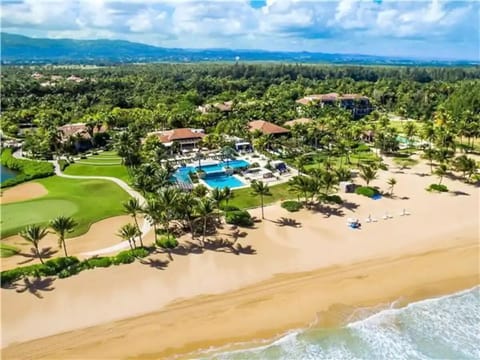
(244, 199)
(87, 201)
(106, 163)
(7, 250)
(118, 171)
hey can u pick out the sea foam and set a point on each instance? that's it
(446, 327)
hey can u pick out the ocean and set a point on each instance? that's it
(446, 327)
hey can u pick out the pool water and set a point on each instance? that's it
(221, 180)
(219, 167)
(215, 174)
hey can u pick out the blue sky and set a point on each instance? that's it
(424, 28)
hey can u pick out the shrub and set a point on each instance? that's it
(63, 267)
(63, 164)
(140, 252)
(98, 262)
(29, 169)
(239, 217)
(292, 206)
(167, 242)
(228, 208)
(124, 257)
(363, 148)
(254, 165)
(333, 199)
(437, 188)
(366, 191)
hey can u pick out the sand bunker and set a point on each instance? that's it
(102, 234)
(23, 192)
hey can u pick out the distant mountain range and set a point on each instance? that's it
(18, 49)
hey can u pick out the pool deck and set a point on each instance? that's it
(251, 158)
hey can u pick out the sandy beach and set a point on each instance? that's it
(284, 276)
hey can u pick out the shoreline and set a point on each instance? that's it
(265, 311)
(291, 267)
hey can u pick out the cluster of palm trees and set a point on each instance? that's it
(171, 205)
(61, 225)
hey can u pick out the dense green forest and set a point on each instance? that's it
(168, 94)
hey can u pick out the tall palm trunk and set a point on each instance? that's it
(38, 254)
(261, 202)
(64, 246)
(139, 231)
(204, 230)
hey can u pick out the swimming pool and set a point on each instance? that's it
(221, 180)
(215, 174)
(219, 167)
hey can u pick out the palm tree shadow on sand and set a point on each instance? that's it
(45, 253)
(283, 221)
(34, 285)
(155, 263)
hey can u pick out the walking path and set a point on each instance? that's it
(145, 228)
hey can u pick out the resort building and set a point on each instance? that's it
(359, 105)
(299, 121)
(226, 106)
(267, 128)
(79, 130)
(81, 133)
(185, 137)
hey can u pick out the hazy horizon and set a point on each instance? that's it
(429, 29)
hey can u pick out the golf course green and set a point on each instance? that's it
(87, 201)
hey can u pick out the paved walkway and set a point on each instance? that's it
(145, 228)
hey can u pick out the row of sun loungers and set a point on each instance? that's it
(386, 216)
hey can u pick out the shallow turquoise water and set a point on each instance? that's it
(442, 328)
(6, 173)
(221, 180)
(216, 176)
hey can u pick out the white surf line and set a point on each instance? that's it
(144, 229)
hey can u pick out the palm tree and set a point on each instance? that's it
(62, 225)
(299, 185)
(441, 171)
(217, 197)
(391, 182)
(186, 208)
(300, 162)
(409, 129)
(227, 195)
(168, 203)
(227, 153)
(368, 173)
(153, 213)
(129, 232)
(205, 210)
(132, 206)
(262, 189)
(33, 234)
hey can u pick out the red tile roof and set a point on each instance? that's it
(79, 129)
(177, 134)
(266, 127)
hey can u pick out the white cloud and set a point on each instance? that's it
(335, 25)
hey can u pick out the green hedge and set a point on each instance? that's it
(167, 242)
(67, 266)
(291, 205)
(28, 169)
(437, 188)
(239, 217)
(366, 191)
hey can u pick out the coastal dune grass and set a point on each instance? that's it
(87, 201)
